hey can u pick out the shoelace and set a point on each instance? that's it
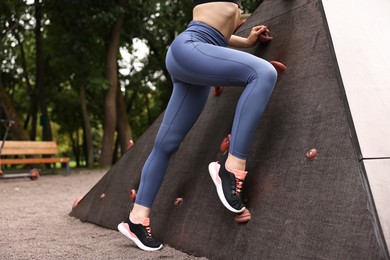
(239, 184)
(148, 231)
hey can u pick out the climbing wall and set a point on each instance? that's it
(300, 208)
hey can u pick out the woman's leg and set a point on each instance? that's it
(200, 65)
(223, 66)
(220, 66)
(186, 104)
(203, 65)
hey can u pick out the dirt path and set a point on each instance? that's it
(34, 223)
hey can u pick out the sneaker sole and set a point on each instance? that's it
(138, 242)
(214, 176)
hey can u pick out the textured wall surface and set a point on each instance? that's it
(301, 209)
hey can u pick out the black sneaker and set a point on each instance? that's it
(140, 234)
(229, 185)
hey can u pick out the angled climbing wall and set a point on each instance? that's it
(300, 208)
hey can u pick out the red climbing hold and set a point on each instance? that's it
(280, 67)
(133, 195)
(311, 154)
(242, 217)
(225, 144)
(130, 144)
(217, 91)
(178, 201)
(76, 202)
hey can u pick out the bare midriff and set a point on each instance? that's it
(223, 16)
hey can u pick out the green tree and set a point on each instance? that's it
(12, 18)
(60, 62)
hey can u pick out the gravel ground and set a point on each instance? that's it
(35, 223)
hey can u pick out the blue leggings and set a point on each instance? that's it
(197, 59)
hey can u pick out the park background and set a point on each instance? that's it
(90, 74)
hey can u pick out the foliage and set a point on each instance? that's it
(76, 35)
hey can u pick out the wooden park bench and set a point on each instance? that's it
(31, 152)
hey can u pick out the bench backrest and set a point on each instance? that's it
(29, 148)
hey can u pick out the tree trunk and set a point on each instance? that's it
(115, 155)
(75, 147)
(87, 127)
(45, 120)
(34, 115)
(109, 104)
(26, 78)
(123, 127)
(10, 111)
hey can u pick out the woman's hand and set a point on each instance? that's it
(258, 33)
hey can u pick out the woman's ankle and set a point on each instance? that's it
(139, 213)
(234, 163)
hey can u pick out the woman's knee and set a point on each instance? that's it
(165, 143)
(267, 72)
(167, 146)
(265, 76)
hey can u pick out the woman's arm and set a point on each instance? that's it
(258, 33)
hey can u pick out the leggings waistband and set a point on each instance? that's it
(205, 33)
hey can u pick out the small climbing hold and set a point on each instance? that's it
(217, 91)
(77, 201)
(133, 195)
(280, 67)
(242, 217)
(130, 144)
(225, 144)
(102, 196)
(311, 154)
(178, 201)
